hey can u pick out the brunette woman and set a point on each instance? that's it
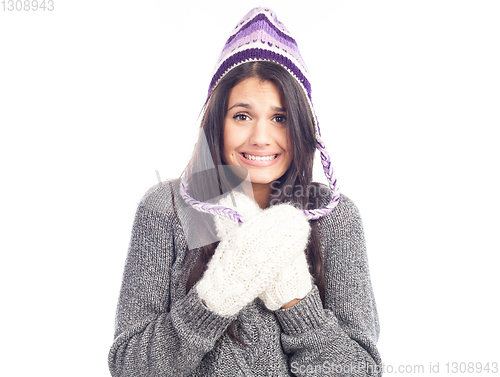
(244, 266)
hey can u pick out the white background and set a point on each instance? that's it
(97, 95)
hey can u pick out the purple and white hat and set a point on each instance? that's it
(260, 36)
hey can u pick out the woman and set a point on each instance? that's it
(244, 267)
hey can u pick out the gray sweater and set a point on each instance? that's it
(162, 331)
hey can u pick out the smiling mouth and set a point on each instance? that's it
(259, 158)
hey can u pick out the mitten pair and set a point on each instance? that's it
(264, 257)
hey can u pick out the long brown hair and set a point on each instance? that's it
(292, 187)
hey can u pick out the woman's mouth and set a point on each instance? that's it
(260, 161)
(259, 158)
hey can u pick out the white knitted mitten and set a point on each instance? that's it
(244, 205)
(294, 281)
(251, 256)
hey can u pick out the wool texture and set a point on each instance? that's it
(237, 200)
(294, 280)
(251, 256)
(162, 330)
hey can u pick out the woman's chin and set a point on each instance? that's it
(260, 180)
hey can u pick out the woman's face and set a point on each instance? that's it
(255, 131)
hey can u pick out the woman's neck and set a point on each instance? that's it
(261, 193)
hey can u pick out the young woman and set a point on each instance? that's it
(244, 266)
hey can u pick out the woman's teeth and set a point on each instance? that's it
(258, 158)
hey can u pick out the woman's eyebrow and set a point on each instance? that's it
(245, 105)
(248, 106)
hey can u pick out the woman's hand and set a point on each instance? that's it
(293, 283)
(290, 304)
(251, 256)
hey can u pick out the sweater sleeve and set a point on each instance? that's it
(153, 336)
(341, 337)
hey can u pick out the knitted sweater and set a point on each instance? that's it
(162, 331)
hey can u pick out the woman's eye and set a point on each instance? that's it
(280, 119)
(241, 117)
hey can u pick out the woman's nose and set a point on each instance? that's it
(261, 134)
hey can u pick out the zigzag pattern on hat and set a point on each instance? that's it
(260, 32)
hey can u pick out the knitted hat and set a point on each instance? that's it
(259, 36)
